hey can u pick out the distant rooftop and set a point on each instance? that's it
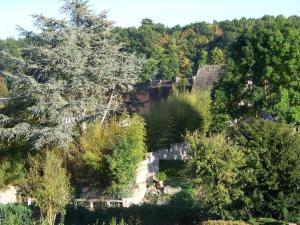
(207, 75)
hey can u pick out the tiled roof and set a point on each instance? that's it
(207, 75)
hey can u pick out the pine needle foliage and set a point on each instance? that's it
(72, 72)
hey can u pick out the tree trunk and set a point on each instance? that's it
(266, 88)
(83, 124)
(83, 127)
(107, 108)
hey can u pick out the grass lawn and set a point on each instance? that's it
(175, 171)
(183, 198)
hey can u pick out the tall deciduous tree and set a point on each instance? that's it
(73, 72)
(263, 77)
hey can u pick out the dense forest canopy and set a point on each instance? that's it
(179, 51)
(262, 73)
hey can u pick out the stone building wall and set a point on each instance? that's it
(9, 195)
(150, 166)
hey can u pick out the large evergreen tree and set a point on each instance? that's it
(72, 72)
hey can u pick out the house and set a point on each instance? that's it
(207, 75)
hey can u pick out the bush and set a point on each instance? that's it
(253, 172)
(161, 176)
(266, 221)
(11, 172)
(172, 168)
(15, 214)
(272, 153)
(107, 149)
(13, 159)
(217, 173)
(122, 166)
(168, 121)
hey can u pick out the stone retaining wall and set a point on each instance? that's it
(150, 166)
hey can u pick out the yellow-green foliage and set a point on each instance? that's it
(136, 131)
(168, 121)
(96, 142)
(112, 151)
(49, 184)
(11, 172)
(13, 158)
(3, 88)
(99, 139)
(216, 169)
(223, 222)
(201, 101)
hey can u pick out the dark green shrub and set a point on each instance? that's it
(15, 214)
(252, 172)
(135, 215)
(272, 154)
(172, 168)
